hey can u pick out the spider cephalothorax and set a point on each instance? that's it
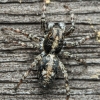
(52, 43)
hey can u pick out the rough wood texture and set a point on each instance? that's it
(14, 59)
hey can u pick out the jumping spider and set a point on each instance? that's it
(52, 44)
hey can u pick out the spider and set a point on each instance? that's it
(51, 45)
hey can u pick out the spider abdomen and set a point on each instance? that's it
(48, 69)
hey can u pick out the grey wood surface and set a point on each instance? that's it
(15, 60)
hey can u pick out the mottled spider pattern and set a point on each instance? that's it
(51, 45)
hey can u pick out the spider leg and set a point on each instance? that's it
(23, 44)
(30, 36)
(69, 55)
(43, 20)
(63, 69)
(77, 43)
(23, 78)
(26, 44)
(72, 28)
(36, 61)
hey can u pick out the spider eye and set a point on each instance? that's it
(50, 25)
(62, 25)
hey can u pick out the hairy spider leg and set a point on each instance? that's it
(72, 28)
(95, 30)
(91, 25)
(43, 20)
(31, 45)
(28, 35)
(69, 55)
(27, 44)
(63, 69)
(79, 42)
(36, 61)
